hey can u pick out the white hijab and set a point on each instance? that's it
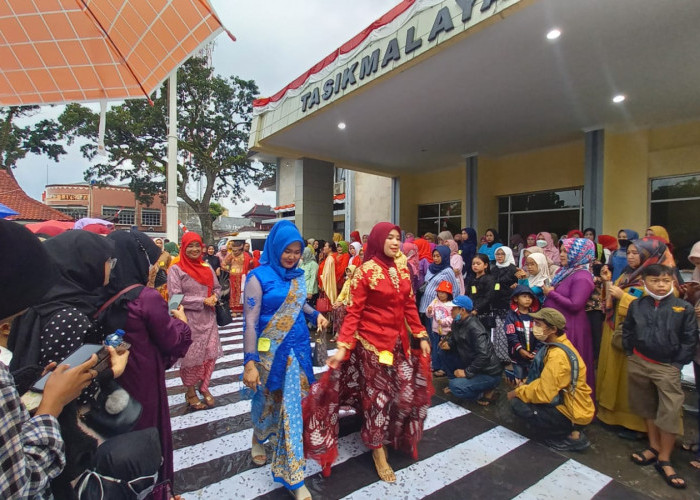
(509, 256)
(543, 270)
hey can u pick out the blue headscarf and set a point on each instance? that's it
(283, 234)
(444, 263)
(618, 260)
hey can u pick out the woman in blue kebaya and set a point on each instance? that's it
(493, 242)
(278, 365)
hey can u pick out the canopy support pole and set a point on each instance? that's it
(171, 178)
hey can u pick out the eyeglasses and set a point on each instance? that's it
(112, 263)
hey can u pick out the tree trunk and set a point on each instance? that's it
(206, 223)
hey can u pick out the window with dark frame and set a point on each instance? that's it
(673, 201)
(127, 216)
(437, 217)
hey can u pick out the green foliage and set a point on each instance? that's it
(16, 142)
(214, 117)
(215, 210)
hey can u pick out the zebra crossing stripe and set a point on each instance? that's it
(255, 482)
(212, 415)
(572, 480)
(427, 476)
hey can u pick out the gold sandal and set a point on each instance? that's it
(386, 473)
(194, 403)
(208, 399)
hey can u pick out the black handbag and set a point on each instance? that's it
(113, 411)
(223, 314)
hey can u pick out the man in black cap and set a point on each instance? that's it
(31, 447)
(555, 400)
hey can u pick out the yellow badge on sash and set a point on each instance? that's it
(497, 287)
(386, 358)
(473, 290)
(263, 344)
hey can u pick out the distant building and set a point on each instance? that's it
(28, 209)
(85, 200)
(222, 226)
(260, 215)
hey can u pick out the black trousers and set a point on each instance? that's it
(546, 420)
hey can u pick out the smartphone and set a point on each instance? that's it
(77, 357)
(175, 301)
(636, 292)
(547, 282)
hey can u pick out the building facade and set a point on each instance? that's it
(519, 115)
(87, 200)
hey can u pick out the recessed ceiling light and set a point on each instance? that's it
(618, 98)
(341, 125)
(553, 34)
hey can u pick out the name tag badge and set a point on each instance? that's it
(497, 287)
(386, 358)
(263, 344)
(473, 290)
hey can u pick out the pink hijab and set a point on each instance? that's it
(411, 252)
(550, 251)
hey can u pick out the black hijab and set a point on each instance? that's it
(135, 253)
(79, 257)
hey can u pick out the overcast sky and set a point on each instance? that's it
(277, 40)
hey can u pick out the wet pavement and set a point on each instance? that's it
(467, 451)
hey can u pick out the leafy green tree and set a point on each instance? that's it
(16, 142)
(215, 210)
(214, 117)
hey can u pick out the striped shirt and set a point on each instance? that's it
(434, 280)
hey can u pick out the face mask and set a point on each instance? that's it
(539, 333)
(624, 243)
(458, 317)
(541, 243)
(658, 297)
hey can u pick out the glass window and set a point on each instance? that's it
(673, 201)
(552, 211)
(127, 216)
(150, 217)
(72, 211)
(436, 217)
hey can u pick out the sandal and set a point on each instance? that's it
(257, 451)
(487, 400)
(208, 399)
(691, 447)
(385, 472)
(659, 465)
(301, 493)
(695, 463)
(194, 403)
(639, 458)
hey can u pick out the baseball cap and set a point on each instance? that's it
(464, 302)
(551, 317)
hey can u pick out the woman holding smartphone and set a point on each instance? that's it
(195, 279)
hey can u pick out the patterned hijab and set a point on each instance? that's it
(651, 251)
(579, 253)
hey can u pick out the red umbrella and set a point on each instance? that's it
(50, 227)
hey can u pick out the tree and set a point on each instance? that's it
(215, 210)
(214, 116)
(16, 142)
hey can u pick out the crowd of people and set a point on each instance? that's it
(579, 326)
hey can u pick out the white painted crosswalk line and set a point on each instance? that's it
(212, 415)
(226, 372)
(220, 390)
(571, 480)
(232, 347)
(428, 476)
(256, 482)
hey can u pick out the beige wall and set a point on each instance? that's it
(433, 187)
(631, 160)
(372, 201)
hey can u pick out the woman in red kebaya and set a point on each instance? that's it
(375, 370)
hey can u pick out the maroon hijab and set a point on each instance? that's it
(375, 243)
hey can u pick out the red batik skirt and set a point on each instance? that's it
(393, 401)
